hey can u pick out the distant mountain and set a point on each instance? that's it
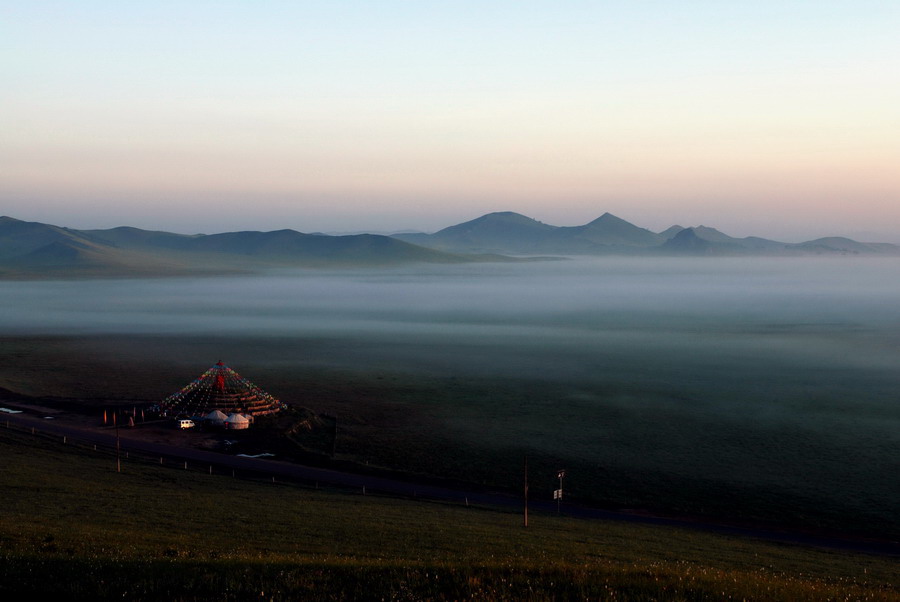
(516, 234)
(504, 231)
(508, 232)
(670, 232)
(609, 230)
(838, 244)
(709, 241)
(32, 249)
(64, 253)
(36, 250)
(18, 237)
(688, 242)
(135, 238)
(712, 235)
(702, 240)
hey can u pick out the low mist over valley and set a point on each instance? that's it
(753, 388)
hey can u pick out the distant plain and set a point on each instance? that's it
(757, 389)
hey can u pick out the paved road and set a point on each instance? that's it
(381, 485)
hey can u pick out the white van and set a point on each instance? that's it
(186, 424)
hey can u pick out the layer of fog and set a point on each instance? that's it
(580, 294)
(764, 371)
(582, 320)
(817, 310)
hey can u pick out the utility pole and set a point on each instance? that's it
(526, 491)
(118, 455)
(334, 440)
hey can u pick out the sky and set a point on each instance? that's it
(769, 118)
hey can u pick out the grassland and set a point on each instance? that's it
(763, 450)
(71, 526)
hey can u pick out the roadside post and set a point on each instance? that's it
(557, 494)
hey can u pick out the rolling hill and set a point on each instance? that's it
(37, 250)
(32, 249)
(503, 231)
(516, 234)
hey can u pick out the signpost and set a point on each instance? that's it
(557, 493)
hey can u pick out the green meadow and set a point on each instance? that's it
(72, 526)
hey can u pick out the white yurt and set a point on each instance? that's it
(216, 418)
(236, 422)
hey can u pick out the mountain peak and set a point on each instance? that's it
(609, 229)
(491, 232)
(671, 231)
(711, 234)
(506, 216)
(500, 219)
(688, 242)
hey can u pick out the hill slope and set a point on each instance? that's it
(609, 229)
(74, 527)
(492, 233)
(32, 249)
(512, 233)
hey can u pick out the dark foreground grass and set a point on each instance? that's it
(71, 526)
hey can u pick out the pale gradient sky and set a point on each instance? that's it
(772, 118)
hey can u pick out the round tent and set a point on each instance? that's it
(220, 388)
(216, 418)
(236, 422)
